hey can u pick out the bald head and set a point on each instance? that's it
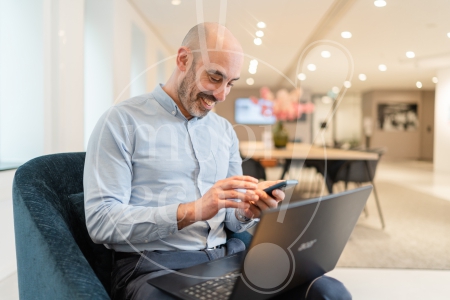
(210, 36)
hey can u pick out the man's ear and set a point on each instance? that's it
(184, 57)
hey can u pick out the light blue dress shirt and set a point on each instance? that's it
(143, 159)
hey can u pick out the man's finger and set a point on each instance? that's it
(279, 195)
(244, 178)
(238, 184)
(249, 195)
(232, 204)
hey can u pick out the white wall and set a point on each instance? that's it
(21, 80)
(126, 16)
(442, 123)
(98, 62)
(64, 75)
(347, 117)
(138, 76)
(120, 45)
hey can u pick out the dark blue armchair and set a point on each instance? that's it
(56, 259)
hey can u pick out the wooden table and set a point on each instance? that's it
(306, 152)
(301, 151)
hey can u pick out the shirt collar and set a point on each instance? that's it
(168, 103)
(165, 100)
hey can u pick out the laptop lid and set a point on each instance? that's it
(299, 242)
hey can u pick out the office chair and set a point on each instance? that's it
(360, 172)
(56, 258)
(251, 167)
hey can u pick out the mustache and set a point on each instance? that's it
(206, 96)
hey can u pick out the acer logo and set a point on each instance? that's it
(306, 245)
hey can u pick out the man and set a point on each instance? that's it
(163, 176)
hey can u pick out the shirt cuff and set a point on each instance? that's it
(166, 219)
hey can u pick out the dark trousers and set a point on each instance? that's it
(130, 275)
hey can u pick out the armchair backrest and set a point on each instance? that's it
(55, 254)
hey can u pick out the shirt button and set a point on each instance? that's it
(173, 112)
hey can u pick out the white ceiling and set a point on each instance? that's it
(380, 36)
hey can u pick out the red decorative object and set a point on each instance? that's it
(286, 105)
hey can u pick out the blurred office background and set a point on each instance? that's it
(64, 62)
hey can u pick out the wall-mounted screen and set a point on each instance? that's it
(254, 112)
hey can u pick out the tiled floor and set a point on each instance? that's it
(364, 284)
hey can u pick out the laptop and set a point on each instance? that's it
(293, 244)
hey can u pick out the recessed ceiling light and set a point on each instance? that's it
(335, 90)
(301, 76)
(261, 25)
(419, 84)
(346, 34)
(259, 33)
(382, 68)
(325, 54)
(311, 67)
(347, 84)
(253, 66)
(448, 34)
(379, 3)
(257, 41)
(362, 77)
(176, 2)
(410, 54)
(250, 81)
(434, 79)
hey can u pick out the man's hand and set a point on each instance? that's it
(264, 200)
(217, 198)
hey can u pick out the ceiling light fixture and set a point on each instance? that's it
(347, 84)
(253, 66)
(257, 41)
(259, 33)
(301, 76)
(176, 2)
(410, 54)
(379, 3)
(335, 90)
(382, 68)
(312, 67)
(419, 84)
(325, 54)
(448, 34)
(346, 34)
(250, 81)
(362, 77)
(261, 25)
(434, 79)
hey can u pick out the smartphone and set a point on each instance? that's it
(287, 184)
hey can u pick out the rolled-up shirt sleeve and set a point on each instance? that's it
(107, 183)
(235, 169)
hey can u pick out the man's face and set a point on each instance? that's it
(206, 84)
